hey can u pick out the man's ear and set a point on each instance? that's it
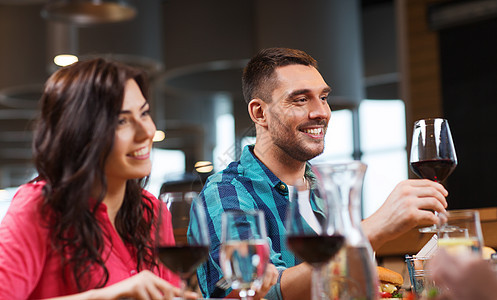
(257, 111)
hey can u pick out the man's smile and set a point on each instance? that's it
(314, 131)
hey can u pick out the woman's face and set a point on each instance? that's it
(130, 156)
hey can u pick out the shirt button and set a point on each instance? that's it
(282, 187)
(132, 272)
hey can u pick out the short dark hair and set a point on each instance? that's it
(258, 80)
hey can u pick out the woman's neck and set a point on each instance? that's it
(113, 199)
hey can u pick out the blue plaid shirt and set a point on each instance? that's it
(246, 185)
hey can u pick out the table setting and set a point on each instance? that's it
(323, 230)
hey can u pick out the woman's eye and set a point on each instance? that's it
(121, 121)
(146, 113)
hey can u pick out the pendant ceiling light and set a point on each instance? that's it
(88, 12)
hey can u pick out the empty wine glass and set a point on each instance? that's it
(182, 257)
(314, 234)
(433, 155)
(244, 251)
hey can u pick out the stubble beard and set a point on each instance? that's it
(287, 140)
(297, 151)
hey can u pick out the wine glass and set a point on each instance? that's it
(182, 257)
(433, 155)
(460, 232)
(314, 235)
(244, 251)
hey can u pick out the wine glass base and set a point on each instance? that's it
(430, 229)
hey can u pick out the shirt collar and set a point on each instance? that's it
(253, 164)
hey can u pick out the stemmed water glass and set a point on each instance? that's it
(433, 155)
(314, 234)
(182, 257)
(460, 232)
(244, 253)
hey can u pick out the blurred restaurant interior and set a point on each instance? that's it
(421, 58)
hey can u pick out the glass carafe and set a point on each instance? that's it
(352, 272)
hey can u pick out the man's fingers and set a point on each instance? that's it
(425, 183)
(430, 203)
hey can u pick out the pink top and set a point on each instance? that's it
(31, 269)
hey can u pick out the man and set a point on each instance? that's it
(288, 102)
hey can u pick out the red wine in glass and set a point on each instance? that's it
(314, 236)
(434, 169)
(433, 155)
(182, 259)
(315, 249)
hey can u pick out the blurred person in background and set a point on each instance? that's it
(463, 277)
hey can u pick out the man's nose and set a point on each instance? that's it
(320, 109)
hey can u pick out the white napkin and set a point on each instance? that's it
(429, 248)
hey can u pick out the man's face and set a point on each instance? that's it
(298, 114)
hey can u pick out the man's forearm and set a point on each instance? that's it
(372, 233)
(296, 282)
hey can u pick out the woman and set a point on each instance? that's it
(84, 226)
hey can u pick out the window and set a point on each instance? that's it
(166, 165)
(383, 147)
(383, 143)
(338, 144)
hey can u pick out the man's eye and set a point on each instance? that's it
(324, 98)
(300, 99)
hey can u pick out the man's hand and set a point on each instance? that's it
(270, 279)
(410, 204)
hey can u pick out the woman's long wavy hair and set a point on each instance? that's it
(73, 138)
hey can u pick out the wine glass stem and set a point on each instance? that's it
(317, 288)
(182, 288)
